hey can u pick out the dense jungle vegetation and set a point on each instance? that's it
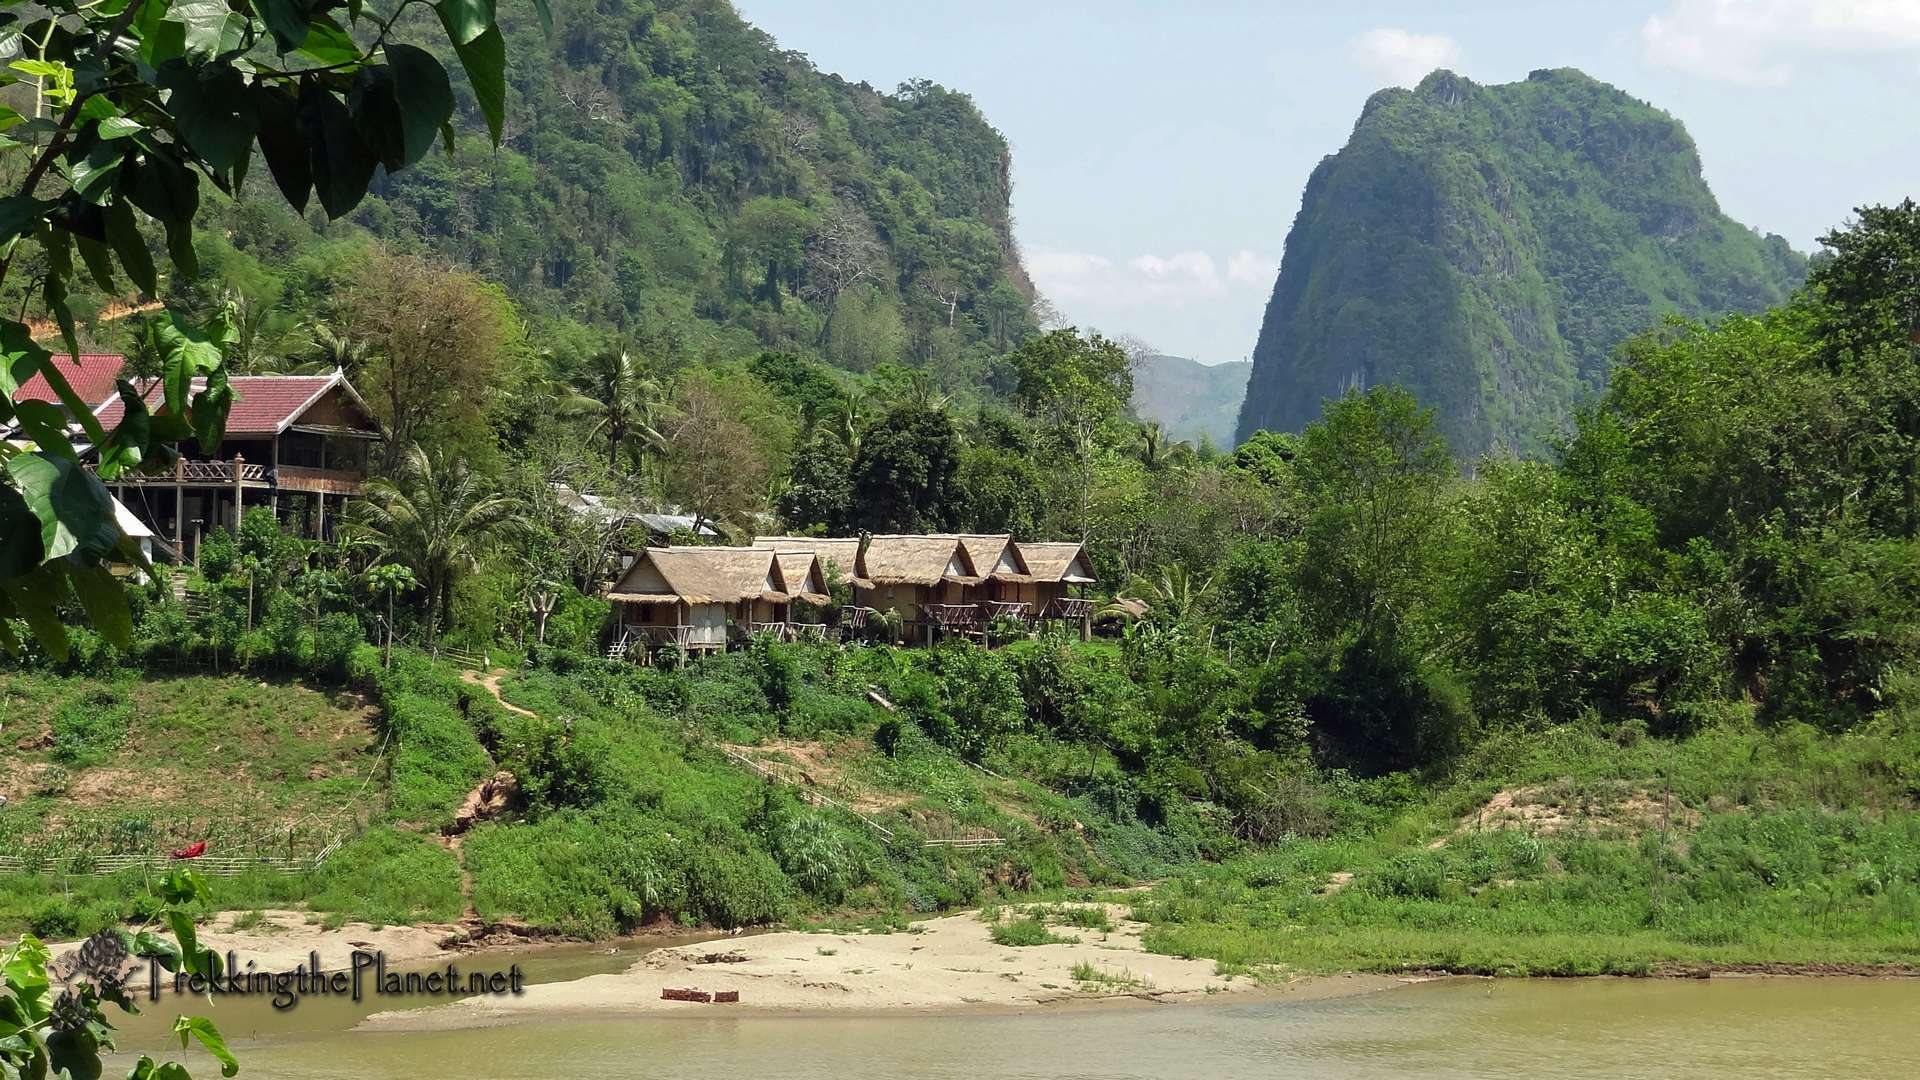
(669, 181)
(1681, 652)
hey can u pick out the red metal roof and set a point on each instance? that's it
(91, 378)
(262, 404)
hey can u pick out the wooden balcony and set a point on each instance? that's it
(323, 481)
(1007, 609)
(246, 474)
(1068, 607)
(781, 631)
(655, 634)
(951, 616)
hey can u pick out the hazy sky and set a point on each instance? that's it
(1159, 148)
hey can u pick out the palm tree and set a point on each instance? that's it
(1174, 597)
(334, 347)
(853, 419)
(266, 334)
(920, 393)
(1158, 451)
(435, 517)
(627, 400)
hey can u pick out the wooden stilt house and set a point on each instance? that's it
(699, 599)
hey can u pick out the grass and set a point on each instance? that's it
(1793, 849)
(628, 814)
(1091, 977)
(1087, 918)
(1026, 931)
(138, 765)
(1771, 846)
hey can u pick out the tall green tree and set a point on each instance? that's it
(904, 473)
(1076, 386)
(435, 516)
(1376, 471)
(819, 490)
(625, 401)
(1868, 288)
(136, 103)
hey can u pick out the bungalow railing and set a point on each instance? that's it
(1068, 607)
(655, 633)
(782, 631)
(1006, 609)
(291, 477)
(327, 481)
(951, 616)
(197, 472)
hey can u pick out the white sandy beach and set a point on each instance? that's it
(940, 965)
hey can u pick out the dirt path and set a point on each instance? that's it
(491, 683)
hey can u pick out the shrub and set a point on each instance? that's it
(962, 696)
(87, 729)
(1417, 875)
(823, 859)
(335, 643)
(55, 920)
(388, 876)
(730, 888)
(1026, 931)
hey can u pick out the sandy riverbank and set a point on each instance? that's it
(940, 965)
(280, 940)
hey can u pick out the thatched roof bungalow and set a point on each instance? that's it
(910, 573)
(801, 576)
(840, 552)
(995, 557)
(1058, 563)
(1055, 570)
(688, 596)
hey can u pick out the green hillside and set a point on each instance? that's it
(671, 178)
(1191, 400)
(1488, 247)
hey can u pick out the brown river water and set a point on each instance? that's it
(1612, 1028)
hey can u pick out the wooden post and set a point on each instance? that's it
(179, 507)
(239, 464)
(273, 489)
(320, 527)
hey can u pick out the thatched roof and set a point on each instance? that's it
(842, 551)
(1051, 562)
(994, 556)
(916, 560)
(699, 575)
(800, 576)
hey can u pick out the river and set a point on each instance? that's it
(1759, 1028)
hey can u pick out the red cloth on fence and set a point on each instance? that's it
(191, 851)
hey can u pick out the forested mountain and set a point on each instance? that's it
(1191, 400)
(1488, 247)
(671, 178)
